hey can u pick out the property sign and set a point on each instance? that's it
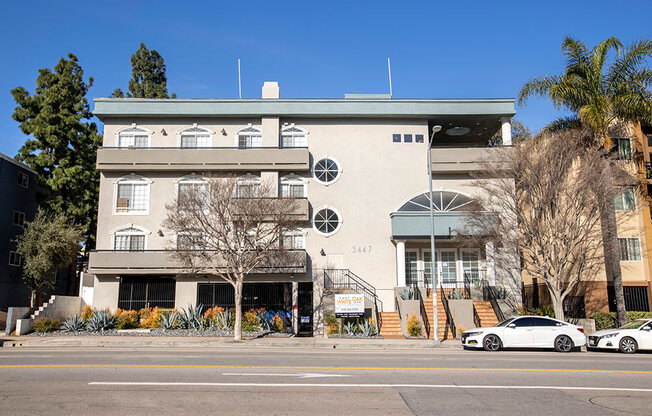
(349, 306)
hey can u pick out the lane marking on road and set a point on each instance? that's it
(301, 375)
(266, 367)
(418, 386)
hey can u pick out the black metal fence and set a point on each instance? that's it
(138, 293)
(636, 298)
(271, 296)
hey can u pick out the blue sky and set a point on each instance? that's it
(439, 49)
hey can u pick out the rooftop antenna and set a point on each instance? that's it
(239, 81)
(389, 71)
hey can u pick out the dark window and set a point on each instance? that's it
(418, 138)
(543, 322)
(630, 250)
(396, 138)
(521, 322)
(14, 259)
(624, 147)
(23, 179)
(137, 293)
(407, 138)
(19, 218)
(649, 140)
(636, 298)
(574, 307)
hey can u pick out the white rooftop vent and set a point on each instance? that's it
(270, 90)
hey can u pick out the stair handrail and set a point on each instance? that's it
(490, 295)
(476, 318)
(449, 317)
(422, 308)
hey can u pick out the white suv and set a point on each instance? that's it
(526, 332)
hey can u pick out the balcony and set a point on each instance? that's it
(202, 159)
(449, 159)
(648, 170)
(119, 262)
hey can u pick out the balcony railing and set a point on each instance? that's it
(122, 262)
(648, 170)
(203, 158)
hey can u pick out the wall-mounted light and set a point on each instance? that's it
(322, 252)
(163, 132)
(160, 233)
(223, 132)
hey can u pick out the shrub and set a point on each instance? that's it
(42, 325)
(278, 324)
(126, 319)
(547, 310)
(634, 315)
(225, 319)
(332, 323)
(211, 314)
(413, 326)
(101, 321)
(152, 318)
(74, 324)
(604, 320)
(250, 321)
(367, 327)
(87, 313)
(170, 319)
(350, 328)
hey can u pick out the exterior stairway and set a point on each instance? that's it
(391, 326)
(441, 316)
(485, 313)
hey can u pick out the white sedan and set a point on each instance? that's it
(633, 336)
(526, 332)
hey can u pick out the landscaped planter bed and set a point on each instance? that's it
(159, 332)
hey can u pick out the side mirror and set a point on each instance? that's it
(511, 326)
(645, 328)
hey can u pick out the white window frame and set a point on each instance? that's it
(134, 129)
(293, 180)
(181, 233)
(248, 130)
(339, 225)
(439, 265)
(247, 180)
(638, 243)
(292, 130)
(20, 213)
(339, 170)
(297, 234)
(418, 265)
(139, 231)
(195, 130)
(132, 179)
(475, 251)
(23, 179)
(20, 259)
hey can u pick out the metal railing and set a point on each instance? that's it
(346, 279)
(449, 317)
(201, 148)
(648, 170)
(489, 293)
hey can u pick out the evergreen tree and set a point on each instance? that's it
(63, 143)
(148, 76)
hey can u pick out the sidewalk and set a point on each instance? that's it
(191, 342)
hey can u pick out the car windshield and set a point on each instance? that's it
(632, 325)
(505, 322)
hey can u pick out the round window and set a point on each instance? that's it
(327, 170)
(327, 221)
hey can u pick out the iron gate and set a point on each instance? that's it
(136, 293)
(271, 296)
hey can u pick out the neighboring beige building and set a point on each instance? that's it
(358, 164)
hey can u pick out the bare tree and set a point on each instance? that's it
(229, 228)
(542, 198)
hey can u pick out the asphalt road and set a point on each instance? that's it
(278, 381)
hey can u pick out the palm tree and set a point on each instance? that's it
(601, 90)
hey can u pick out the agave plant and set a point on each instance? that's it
(263, 322)
(100, 321)
(74, 324)
(350, 328)
(170, 320)
(405, 293)
(367, 328)
(224, 320)
(192, 318)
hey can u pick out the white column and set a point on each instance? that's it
(400, 263)
(491, 266)
(506, 126)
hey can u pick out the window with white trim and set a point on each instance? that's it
(19, 218)
(327, 170)
(189, 186)
(292, 136)
(442, 201)
(133, 137)
(625, 200)
(248, 186)
(195, 137)
(250, 137)
(630, 249)
(129, 239)
(132, 196)
(293, 241)
(191, 241)
(327, 221)
(23, 179)
(292, 186)
(15, 259)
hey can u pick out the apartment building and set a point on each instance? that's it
(358, 166)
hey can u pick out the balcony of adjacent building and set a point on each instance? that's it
(148, 262)
(470, 144)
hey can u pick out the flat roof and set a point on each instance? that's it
(311, 107)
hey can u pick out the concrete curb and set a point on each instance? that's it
(210, 342)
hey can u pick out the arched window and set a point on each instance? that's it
(248, 186)
(293, 186)
(327, 221)
(194, 137)
(132, 195)
(442, 201)
(130, 238)
(133, 137)
(188, 186)
(327, 170)
(293, 136)
(248, 137)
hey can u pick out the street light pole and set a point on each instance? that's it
(433, 273)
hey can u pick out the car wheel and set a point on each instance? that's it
(563, 343)
(492, 343)
(628, 345)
